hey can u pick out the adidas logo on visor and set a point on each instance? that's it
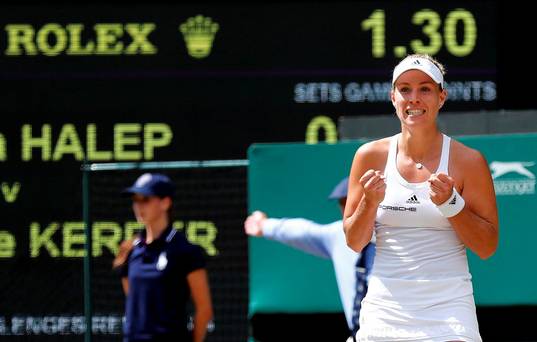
(418, 63)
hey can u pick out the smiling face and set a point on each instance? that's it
(417, 98)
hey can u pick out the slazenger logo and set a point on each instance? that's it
(516, 178)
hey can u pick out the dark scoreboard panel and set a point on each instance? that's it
(236, 73)
(150, 82)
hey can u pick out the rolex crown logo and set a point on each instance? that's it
(199, 32)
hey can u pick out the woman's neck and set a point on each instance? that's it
(155, 229)
(420, 146)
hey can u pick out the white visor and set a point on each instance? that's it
(418, 63)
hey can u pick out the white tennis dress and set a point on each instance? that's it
(420, 288)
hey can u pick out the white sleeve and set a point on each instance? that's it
(302, 234)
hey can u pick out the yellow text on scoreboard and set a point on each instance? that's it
(129, 142)
(67, 239)
(76, 39)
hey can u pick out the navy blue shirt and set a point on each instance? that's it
(158, 288)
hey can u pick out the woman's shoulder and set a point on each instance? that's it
(373, 154)
(181, 244)
(465, 160)
(464, 155)
(375, 147)
(375, 150)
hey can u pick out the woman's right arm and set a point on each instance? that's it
(125, 285)
(366, 191)
(121, 263)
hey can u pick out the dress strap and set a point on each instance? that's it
(392, 155)
(444, 158)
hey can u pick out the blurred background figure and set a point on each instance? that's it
(325, 241)
(161, 270)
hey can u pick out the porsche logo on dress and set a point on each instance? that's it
(397, 208)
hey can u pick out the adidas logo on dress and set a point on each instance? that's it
(413, 200)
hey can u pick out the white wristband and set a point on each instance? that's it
(452, 206)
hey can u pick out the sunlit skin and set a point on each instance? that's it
(417, 100)
(418, 151)
(152, 211)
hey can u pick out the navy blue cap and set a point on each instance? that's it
(340, 191)
(151, 184)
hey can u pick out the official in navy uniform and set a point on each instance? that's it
(161, 270)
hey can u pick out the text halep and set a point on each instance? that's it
(130, 141)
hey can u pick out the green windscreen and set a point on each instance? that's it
(294, 180)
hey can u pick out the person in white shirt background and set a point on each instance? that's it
(325, 241)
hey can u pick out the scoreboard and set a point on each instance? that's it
(236, 73)
(155, 82)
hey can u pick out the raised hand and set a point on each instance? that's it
(374, 184)
(253, 225)
(441, 187)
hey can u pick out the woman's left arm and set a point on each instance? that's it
(477, 223)
(201, 297)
